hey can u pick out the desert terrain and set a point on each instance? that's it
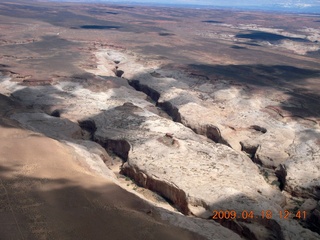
(136, 122)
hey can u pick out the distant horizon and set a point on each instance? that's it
(290, 6)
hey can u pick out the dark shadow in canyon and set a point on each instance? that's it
(238, 47)
(116, 120)
(53, 104)
(211, 21)
(164, 34)
(303, 97)
(99, 27)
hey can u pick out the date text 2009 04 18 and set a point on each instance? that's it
(264, 214)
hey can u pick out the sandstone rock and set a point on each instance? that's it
(53, 127)
(190, 170)
(313, 220)
(237, 115)
(74, 160)
(197, 174)
(300, 173)
(308, 205)
(230, 109)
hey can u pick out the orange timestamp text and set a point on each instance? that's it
(264, 214)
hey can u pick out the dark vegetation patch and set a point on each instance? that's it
(212, 21)
(112, 13)
(265, 36)
(238, 47)
(56, 113)
(166, 34)
(252, 44)
(121, 7)
(153, 17)
(101, 12)
(248, 17)
(99, 27)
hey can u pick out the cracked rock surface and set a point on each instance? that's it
(201, 113)
(193, 172)
(242, 116)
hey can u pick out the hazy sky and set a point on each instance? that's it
(311, 6)
(288, 3)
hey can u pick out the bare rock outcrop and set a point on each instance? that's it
(265, 123)
(240, 116)
(74, 119)
(197, 174)
(300, 173)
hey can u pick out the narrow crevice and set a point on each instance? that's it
(56, 113)
(153, 94)
(281, 174)
(313, 220)
(165, 189)
(258, 128)
(243, 229)
(171, 110)
(118, 72)
(238, 228)
(89, 126)
(120, 147)
(250, 150)
(177, 196)
(210, 131)
(213, 133)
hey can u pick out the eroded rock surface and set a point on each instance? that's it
(194, 173)
(218, 111)
(300, 173)
(71, 172)
(243, 116)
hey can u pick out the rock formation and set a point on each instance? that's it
(199, 161)
(213, 121)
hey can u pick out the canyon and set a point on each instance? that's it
(179, 116)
